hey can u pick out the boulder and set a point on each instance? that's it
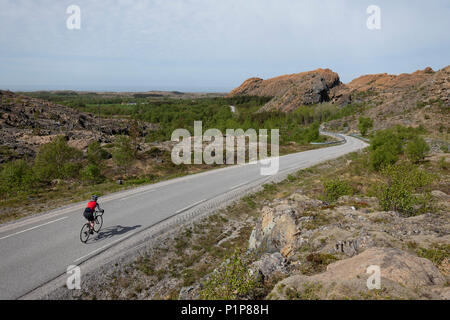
(189, 293)
(269, 264)
(440, 195)
(293, 90)
(402, 276)
(275, 230)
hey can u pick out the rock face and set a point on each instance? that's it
(325, 251)
(26, 123)
(278, 227)
(269, 264)
(421, 97)
(291, 91)
(402, 276)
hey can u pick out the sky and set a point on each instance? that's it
(212, 45)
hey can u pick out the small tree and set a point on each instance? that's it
(364, 125)
(123, 151)
(96, 154)
(91, 174)
(382, 157)
(417, 149)
(385, 148)
(135, 133)
(403, 182)
(313, 134)
(337, 188)
(57, 160)
(16, 176)
(232, 280)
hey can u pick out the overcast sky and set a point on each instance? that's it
(212, 45)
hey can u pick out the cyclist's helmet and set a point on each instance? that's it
(94, 198)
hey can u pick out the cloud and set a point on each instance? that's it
(213, 43)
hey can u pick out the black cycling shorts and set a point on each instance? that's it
(89, 214)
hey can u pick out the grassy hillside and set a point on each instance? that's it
(90, 155)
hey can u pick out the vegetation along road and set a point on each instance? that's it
(37, 250)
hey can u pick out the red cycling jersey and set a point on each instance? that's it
(91, 205)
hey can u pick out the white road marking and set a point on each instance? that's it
(105, 246)
(239, 185)
(192, 205)
(40, 217)
(41, 225)
(74, 209)
(136, 195)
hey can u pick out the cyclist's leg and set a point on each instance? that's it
(92, 221)
(89, 215)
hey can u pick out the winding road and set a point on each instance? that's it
(38, 249)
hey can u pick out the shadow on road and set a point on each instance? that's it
(113, 231)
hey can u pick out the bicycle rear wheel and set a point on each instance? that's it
(85, 233)
(98, 223)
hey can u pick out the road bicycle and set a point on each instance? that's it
(86, 229)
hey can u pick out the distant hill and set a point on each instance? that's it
(26, 123)
(418, 98)
(291, 91)
(124, 95)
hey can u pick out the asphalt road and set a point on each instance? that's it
(37, 250)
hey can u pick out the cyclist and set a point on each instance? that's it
(89, 211)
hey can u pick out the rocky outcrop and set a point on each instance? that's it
(291, 91)
(402, 276)
(419, 98)
(325, 250)
(27, 123)
(279, 226)
(269, 265)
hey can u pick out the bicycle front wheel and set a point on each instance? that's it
(98, 223)
(85, 233)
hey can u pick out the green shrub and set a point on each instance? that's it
(57, 160)
(316, 262)
(7, 151)
(232, 280)
(398, 193)
(408, 133)
(387, 137)
(443, 163)
(96, 154)
(436, 254)
(155, 152)
(364, 125)
(383, 156)
(417, 149)
(270, 187)
(16, 176)
(92, 174)
(397, 198)
(336, 188)
(123, 151)
(312, 133)
(157, 136)
(444, 148)
(386, 146)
